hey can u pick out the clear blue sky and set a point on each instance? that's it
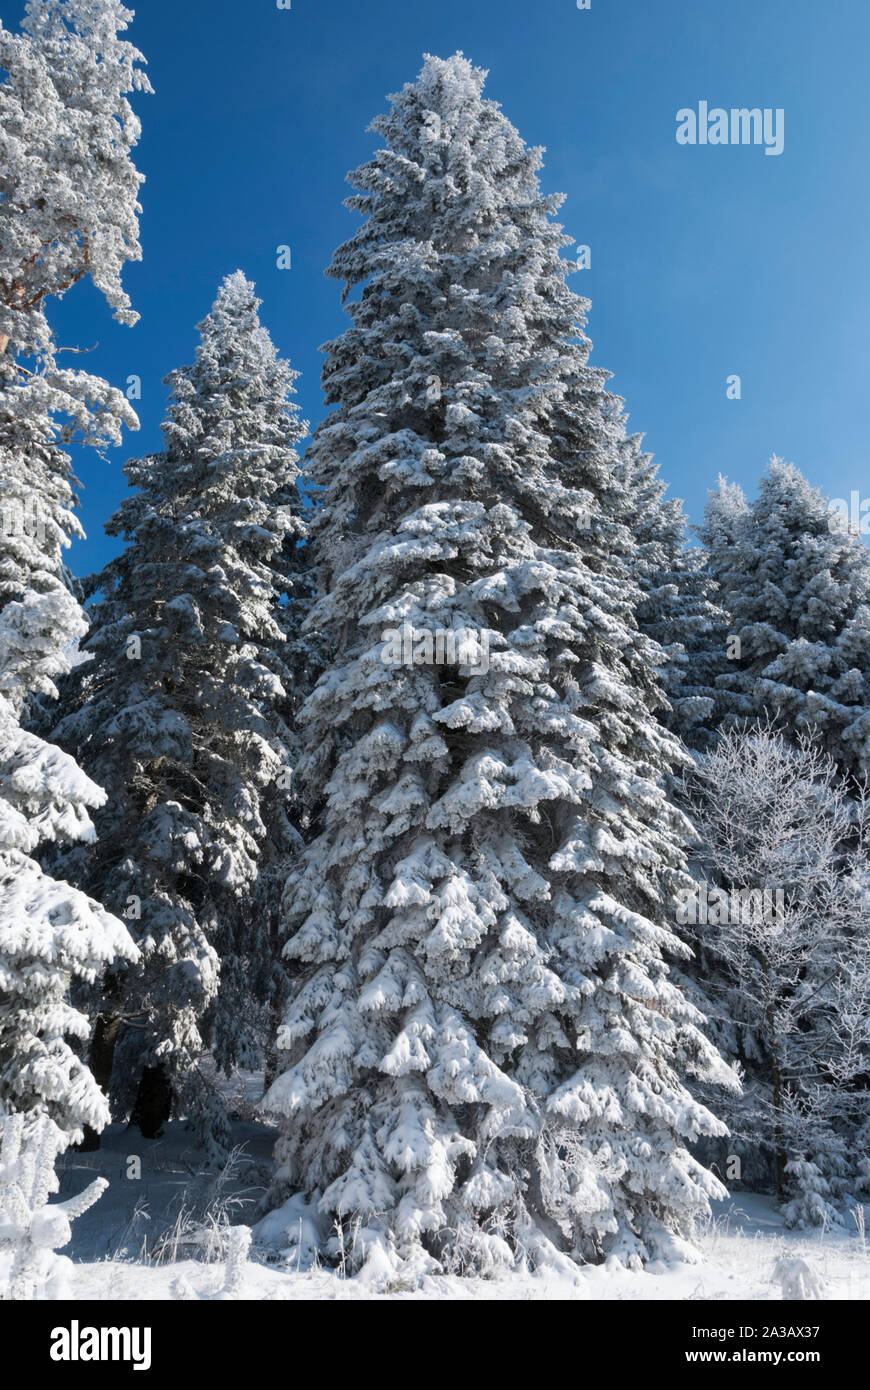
(705, 261)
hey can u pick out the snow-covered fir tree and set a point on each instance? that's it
(783, 928)
(178, 714)
(678, 609)
(796, 582)
(70, 189)
(484, 1054)
(49, 931)
(68, 206)
(68, 210)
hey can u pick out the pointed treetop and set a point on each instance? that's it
(450, 83)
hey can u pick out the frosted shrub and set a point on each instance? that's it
(31, 1231)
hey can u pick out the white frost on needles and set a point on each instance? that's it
(485, 1053)
(49, 932)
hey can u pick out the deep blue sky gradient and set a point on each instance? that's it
(705, 261)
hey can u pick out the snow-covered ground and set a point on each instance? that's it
(136, 1242)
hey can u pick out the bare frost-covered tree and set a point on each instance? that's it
(789, 977)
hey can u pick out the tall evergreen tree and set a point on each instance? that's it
(49, 931)
(178, 712)
(484, 1051)
(796, 582)
(678, 607)
(69, 206)
(68, 210)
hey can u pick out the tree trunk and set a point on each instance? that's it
(778, 1088)
(101, 1060)
(18, 293)
(271, 1060)
(153, 1102)
(276, 1009)
(778, 1135)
